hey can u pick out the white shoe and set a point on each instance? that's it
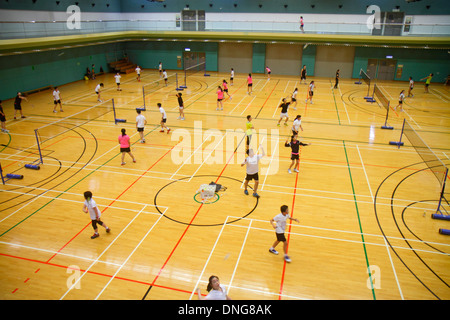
(287, 259)
(273, 251)
(296, 170)
(182, 119)
(289, 170)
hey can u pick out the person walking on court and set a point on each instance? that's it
(117, 77)
(294, 98)
(57, 100)
(427, 82)
(411, 87)
(284, 111)
(89, 206)
(163, 118)
(248, 132)
(219, 98)
(302, 24)
(401, 98)
(18, 104)
(180, 106)
(3, 118)
(337, 79)
(225, 88)
(124, 141)
(296, 125)
(165, 77)
(279, 224)
(216, 290)
(140, 124)
(303, 74)
(231, 76)
(98, 89)
(268, 72)
(249, 83)
(252, 162)
(138, 72)
(294, 144)
(310, 92)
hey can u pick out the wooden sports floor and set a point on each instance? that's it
(365, 206)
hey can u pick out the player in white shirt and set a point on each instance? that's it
(411, 87)
(297, 125)
(118, 76)
(310, 92)
(231, 76)
(294, 98)
(279, 224)
(165, 76)
(163, 118)
(140, 124)
(252, 162)
(98, 91)
(138, 72)
(57, 99)
(91, 207)
(400, 100)
(216, 290)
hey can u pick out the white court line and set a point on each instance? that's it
(240, 254)
(101, 254)
(243, 98)
(342, 100)
(192, 153)
(207, 156)
(129, 256)
(248, 105)
(393, 268)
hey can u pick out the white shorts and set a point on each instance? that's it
(284, 115)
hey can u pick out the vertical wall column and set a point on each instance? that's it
(309, 59)
(259, 58)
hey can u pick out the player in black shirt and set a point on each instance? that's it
(284, 109)
(295, 151)
(180, 106)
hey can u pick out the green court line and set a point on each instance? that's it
(335, 105)
(359, 221)
(63, 192)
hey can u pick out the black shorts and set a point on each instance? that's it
(56, 101)
(281, 237)
(225, 90)
(400, 102)
(2, 118)
(293, 99)
(295, 156)
(303, 78)
(164, 120)
(268, 72)
(17, 107)
(252, 176)
(125, 149)
(218, 100)
(231, 78)
(250, 84)
(140, 129)
(311, 93)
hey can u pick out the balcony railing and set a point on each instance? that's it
(33, 29)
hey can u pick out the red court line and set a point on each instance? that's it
(114, 200)
(88, 271)
(290, 226)
(184, 232)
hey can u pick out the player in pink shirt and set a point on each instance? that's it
(124, 141)
(219, 98)
(268, 73)
(225, 88)
(249, 83)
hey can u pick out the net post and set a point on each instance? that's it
(386, 126)
(399, 143)
(143, 95)
(39, 146)
(359, 80)
(114, 110)
(178, 88)
(1, 174)
(441, 196)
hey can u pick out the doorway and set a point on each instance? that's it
(381, 69)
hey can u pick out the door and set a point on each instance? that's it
(372, 65)
(194, 60)
(189, 20)
(394, 23)
(386, 69)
